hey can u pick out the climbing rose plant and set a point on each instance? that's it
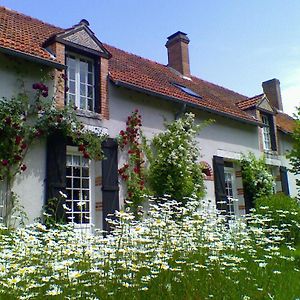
(24, 121)
(174, 167)
(257, 179)
(133, 171)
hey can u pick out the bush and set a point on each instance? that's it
(174, 167)
(283, 212)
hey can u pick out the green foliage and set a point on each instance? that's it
(175, 253)
(283, 212)
(23, 121)
(257, 179)
(174, 168)
(294, 154)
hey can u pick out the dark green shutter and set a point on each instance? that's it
(110, 184)
(97, 86)
(220, 192)
(272, 133)
(56, 174)
(284, 180)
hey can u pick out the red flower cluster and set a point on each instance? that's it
(132, 172)
(41, 87)
(82, 148)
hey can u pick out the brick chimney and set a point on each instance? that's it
(178, 53)
(272, 90)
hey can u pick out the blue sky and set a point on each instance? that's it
(236, 44)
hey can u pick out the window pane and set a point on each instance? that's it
(86, 194)
(90, 104)
(76, 183)
(85, 172)
(85, 183)
(90, 66)
(75, 194)
(90, 78)
(76, 160)
(71, 87)
(71, 74)
(82, 102)
(82, 89)
(76, 172)
(90, 91)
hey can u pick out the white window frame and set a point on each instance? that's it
(231, 192)
(77, 93)
(73, 151)
(266, 133)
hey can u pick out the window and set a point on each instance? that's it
(78, 189)
(81, 82)
(187, 90)
(230, 189)
(266, 133)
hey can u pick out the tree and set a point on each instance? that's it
(294, 154)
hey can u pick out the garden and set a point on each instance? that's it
(178, 246)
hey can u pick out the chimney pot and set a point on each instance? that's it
(272, 90)
(178, 53)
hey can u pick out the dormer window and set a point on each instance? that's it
(268, 133)
(81, 82)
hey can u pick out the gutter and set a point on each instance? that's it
(178, 100)
(33, 58)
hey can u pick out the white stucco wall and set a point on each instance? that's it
(225, 137)
(18, 76)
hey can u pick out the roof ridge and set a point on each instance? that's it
(29, 17)
(136, 55)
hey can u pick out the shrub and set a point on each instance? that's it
(174, 169)
(257, 179)
(282, 212)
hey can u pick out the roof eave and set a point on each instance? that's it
(33, 58)
(178, 100)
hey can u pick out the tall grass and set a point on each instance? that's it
(173, 253)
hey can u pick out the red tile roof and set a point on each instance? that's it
(285, 122)
(157, 78)
(25, 34)
(250, 102)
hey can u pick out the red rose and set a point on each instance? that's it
(4, 162)
(18, 140)
(17, 157)
(86, 155)
(81, 148)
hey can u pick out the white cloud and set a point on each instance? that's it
(290, 90)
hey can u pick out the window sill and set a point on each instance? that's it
(88, 114)
(271, 154)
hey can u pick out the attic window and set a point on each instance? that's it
(187, 90)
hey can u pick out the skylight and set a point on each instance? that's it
(187, 90)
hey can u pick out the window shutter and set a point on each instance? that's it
(221, 198)
(284, 180)
(56, 174)
(110, 184)
(272, 133)
(97, 86)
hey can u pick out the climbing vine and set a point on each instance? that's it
(25, 120)
(257, 179)
(133, 171)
